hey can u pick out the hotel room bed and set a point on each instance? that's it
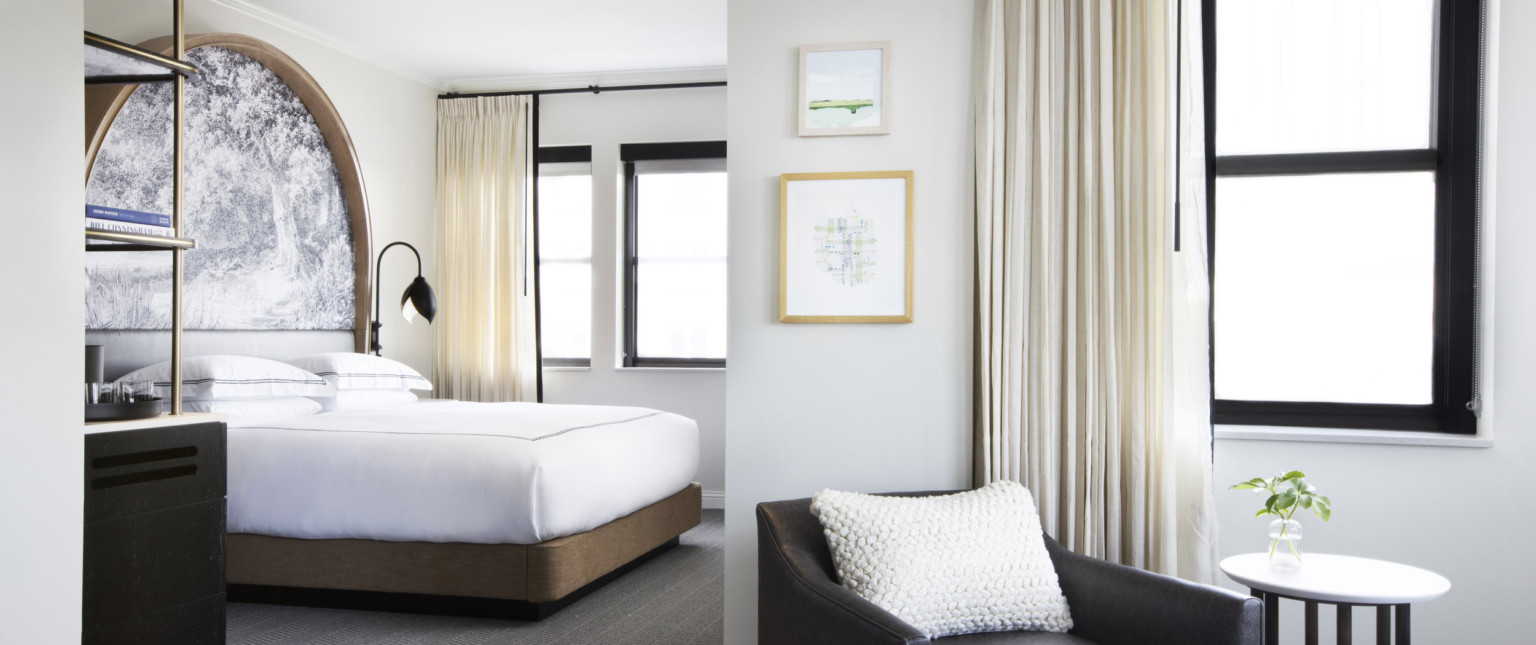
(501, 509)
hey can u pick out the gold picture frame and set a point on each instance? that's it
(834, 247)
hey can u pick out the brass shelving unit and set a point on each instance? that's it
(111, 62)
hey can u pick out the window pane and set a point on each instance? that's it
(680, 307)
(565, 296)
(565, 263)
(1323, 76)
(1324, 288)
(565, 216)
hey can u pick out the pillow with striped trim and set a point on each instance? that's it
(349, 371)
(226, 376)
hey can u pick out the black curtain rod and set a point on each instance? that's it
(595, 89)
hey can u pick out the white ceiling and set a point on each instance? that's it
(512, 44)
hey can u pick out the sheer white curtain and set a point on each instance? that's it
(486, 348)
(1081, 336)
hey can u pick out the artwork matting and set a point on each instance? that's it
(845, 247)
(845, 89)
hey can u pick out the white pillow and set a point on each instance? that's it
(254, 412)
(366, 400)
(224, 376)
(951, 564)
(349, 371)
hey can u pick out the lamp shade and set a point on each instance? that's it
(419, 299)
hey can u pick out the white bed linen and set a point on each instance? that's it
(451, 471)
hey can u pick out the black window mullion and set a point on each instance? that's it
(1317, 163)
(1360, 416)
(1459, 134)
(631, 262)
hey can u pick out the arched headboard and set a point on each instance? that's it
(278, 336)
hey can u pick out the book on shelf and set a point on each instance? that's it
(94, 224)
(94, 212)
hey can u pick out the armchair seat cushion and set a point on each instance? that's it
(1014, 638)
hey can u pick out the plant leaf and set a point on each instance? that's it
(1295, 474)
(1264, 511)
(1323, 511)
(1270, 503)
(1242, 486)
(1284, 501)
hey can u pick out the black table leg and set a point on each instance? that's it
(1384, 625)
(1402, 625)
(1346, 632)
(1311, 623)
(1271, 616)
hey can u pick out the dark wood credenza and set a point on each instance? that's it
(154, 534)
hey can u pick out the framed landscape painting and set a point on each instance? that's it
(845, 247)
(845, 89)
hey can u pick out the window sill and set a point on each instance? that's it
(567, 368)
(1326, 435)
(720, 370)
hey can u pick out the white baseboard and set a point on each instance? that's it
(714, 499)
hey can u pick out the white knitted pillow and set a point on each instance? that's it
(952, 564)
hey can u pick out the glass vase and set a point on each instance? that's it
(1284, 544)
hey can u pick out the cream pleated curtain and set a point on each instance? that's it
(1081, 325)
(486, 348)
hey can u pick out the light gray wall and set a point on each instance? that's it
(393, 124)
(1466, 513)
(604, 121)
(856, 407)
(41, 448)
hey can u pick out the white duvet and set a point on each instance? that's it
(450, 471)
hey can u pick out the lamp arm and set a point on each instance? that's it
(378, 265)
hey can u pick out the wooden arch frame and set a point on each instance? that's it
(102, 104)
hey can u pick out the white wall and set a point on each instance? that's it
(604, 121)
(1466, 513)
(41, 448)
(857, 407)
(392, 121)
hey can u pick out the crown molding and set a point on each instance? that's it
(584, 79)
(288, 24)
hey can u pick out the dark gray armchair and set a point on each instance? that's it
(799, 601)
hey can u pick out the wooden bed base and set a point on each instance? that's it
(516, 581)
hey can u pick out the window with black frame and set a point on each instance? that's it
(1342, 168)
(674, 254)
(565, 255)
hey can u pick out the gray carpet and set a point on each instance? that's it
(676, 598)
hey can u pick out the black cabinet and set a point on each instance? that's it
(154, 535)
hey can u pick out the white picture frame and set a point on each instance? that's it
(845, 247)
(845, 89)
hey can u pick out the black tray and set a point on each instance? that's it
(147, 409)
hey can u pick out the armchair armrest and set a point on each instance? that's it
(798, 600)
(1118, 605)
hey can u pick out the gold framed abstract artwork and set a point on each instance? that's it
(845, 247)
(845, 89)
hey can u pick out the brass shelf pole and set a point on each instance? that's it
(178, 129)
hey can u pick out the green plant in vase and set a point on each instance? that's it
(1284, 495)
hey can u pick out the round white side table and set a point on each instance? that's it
(1340, 580)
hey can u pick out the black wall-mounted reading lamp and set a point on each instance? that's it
(418, 298)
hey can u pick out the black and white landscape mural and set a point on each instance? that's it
(263, 200)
